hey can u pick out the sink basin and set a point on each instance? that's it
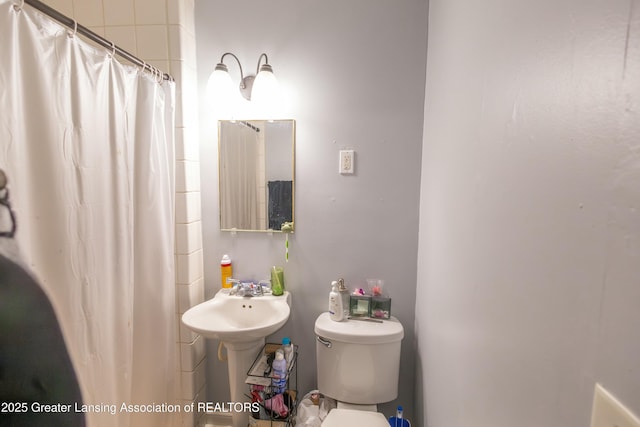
(241, 324)
(236, 319)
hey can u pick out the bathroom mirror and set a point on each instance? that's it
(256, 170)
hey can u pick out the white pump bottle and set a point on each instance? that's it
(336, 310)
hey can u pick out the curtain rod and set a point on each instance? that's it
(81, 29)
(249, 125)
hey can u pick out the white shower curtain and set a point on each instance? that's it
(87, 144)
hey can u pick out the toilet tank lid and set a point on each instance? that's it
(358, 331)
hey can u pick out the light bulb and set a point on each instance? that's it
(219, 84)
(265, 90)
(220, 92)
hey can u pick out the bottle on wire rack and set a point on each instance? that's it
(279, 372)
(287, 349)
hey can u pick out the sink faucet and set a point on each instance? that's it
(247, 289)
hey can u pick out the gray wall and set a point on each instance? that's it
(354, 76)
(529, 260)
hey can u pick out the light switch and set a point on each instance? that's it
(609, 412)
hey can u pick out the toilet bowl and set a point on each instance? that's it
(351, 417)
(358, 363)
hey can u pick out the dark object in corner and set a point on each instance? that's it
(35, 367)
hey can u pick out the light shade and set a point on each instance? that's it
(220, 85)
(265, 87)
(261, 90)
(223, 97)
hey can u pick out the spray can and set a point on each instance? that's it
(344, 298)
(226, 271)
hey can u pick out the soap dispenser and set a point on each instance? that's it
(338, 301)
(336, 311)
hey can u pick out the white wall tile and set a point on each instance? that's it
(122, 36)
(193, 381)
(187, 176)
(181, 12)
(188, 237)
(194, 210)
(63, 6)
(153, 42)
(187, 144)
(195, 418)
(191, 144)
(89, 12)
(99, 30)
(179, 143)
(174, 43)
(181, 176)
(192, 354)
(160, 64)
(181, 44)
(149, 12)
(190, 295)
(182, 213)
(119, 12)
(187, 88)
(187, 106)
(173, 12)
(186, 335)
(187, 207)
(187, 20)
(189, 267)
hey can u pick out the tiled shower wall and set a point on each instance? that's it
(161, 32)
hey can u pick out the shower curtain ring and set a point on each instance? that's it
(113, 50)
(19, 7)
(75, 30)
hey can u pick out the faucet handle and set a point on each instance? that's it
(265, 286)
(235, 287)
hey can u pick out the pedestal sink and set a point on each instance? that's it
(241, 323)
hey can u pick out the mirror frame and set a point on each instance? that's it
(293, 174)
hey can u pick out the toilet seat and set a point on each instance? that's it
(350, 418)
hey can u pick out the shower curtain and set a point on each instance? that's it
(87, 144)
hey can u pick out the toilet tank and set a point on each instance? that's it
(358, 361)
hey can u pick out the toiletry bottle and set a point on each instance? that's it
(344, 299)
(279, 372)
(226, 271)
(336, 311)
(398, 420)
(287, 348)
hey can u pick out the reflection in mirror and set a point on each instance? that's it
(256, 167)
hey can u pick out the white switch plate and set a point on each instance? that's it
(347, 161)
(609, 412)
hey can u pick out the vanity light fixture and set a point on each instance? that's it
(260, 86)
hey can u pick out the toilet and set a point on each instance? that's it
(358, 363)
